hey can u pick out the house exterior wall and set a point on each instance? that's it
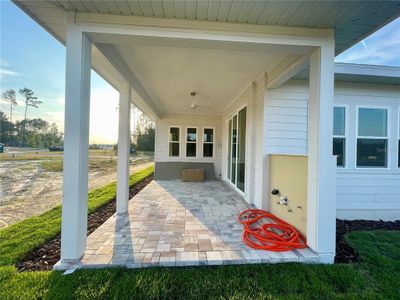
(184, 121)
(369, 193)
(361, 193)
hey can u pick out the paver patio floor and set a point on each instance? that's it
(173, 223)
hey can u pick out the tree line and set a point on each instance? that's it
(143, 137)
(26, 132)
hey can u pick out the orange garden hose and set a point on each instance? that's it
(278, 236)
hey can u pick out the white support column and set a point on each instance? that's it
(123, 148)
(259, 165)
(76, 146)
(321, 202)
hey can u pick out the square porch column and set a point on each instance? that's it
(123, 148)
(321, 198)
(76, 146)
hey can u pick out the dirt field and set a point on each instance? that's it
(31, 183)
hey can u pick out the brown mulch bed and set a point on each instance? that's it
(48, 254)
(344, 252)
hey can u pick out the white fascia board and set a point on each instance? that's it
(200, 26)
(201, 30)
(367, 70)
(24, 6)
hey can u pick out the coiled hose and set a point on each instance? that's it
(275, 236)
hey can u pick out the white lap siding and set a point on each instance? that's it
(360, 193)
(286, 119)
(369, 193)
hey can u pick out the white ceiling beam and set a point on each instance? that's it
(105, 69)
(285, 69)
(116, 59)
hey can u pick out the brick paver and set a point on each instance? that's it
(171, 223)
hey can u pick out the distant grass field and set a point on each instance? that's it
(95, 164)
(53, 161)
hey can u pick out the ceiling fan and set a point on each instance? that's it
(193, 104)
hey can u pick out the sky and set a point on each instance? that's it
(30, 57)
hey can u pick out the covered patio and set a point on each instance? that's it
(218, 93)
(173, 223)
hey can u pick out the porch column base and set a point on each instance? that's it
(67, 264)
(326, 258)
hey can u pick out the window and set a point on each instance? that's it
(339, 135)
(191, 142)
(174, 139)
(208, 142)
(372, 137)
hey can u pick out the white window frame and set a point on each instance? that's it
(176, 142)
(197, 140)
(204, 142)
(345, 136)
(387, 108)
(236, 112)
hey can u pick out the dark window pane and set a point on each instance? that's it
(234, 135)
(208, 135)
(371, 152)
(339, 150)
(173, 149)
(208, 150)
(372, 122)
(338, 121)
(191, 135)
(398, 159)
(191, 149)
(241, 149)
(174, 134)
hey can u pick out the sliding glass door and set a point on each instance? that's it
(237, 148)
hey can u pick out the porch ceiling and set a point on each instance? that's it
(352, 20)
(170, 70)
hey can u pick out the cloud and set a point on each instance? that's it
(7, 72)
(380, 48)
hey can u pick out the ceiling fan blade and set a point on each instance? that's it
(201, 106)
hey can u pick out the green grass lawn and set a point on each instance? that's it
(18, 239)
(376, 277)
